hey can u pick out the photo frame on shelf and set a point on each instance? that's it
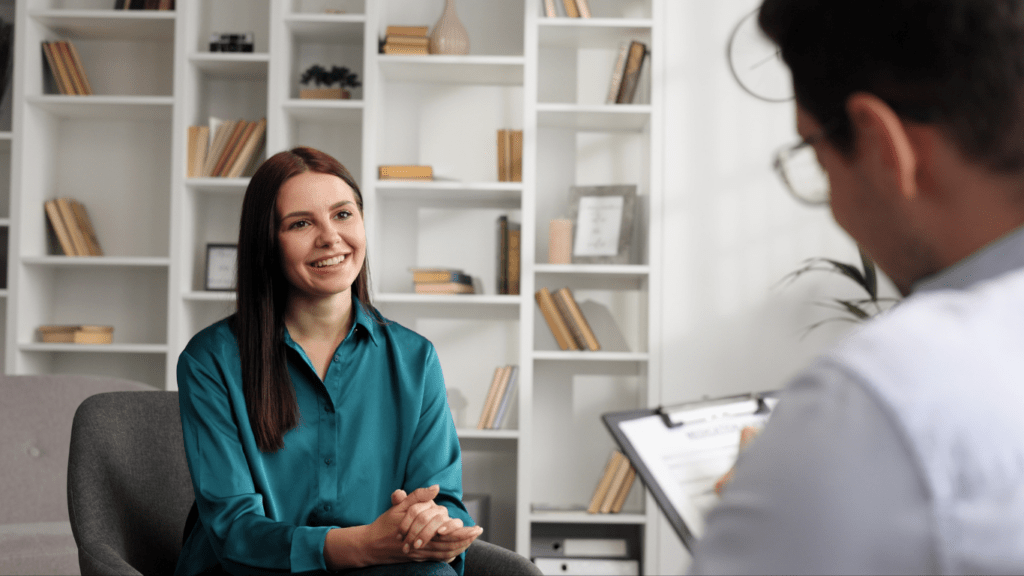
(602, 218)
(221, 266)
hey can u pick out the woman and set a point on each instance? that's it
(306, 415)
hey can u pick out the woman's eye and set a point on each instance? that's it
(297, 224)
(343, 215)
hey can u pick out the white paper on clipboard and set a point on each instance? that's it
(681, 453)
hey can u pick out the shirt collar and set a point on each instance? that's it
(999, 257)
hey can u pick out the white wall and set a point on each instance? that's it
(732, 233)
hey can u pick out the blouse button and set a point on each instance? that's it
(327, 461)
(327, 507)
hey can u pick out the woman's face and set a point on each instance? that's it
(321, 234)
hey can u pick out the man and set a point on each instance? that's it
(901, 450)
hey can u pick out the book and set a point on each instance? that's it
(616, 82)
(74, 230)
(504, 156)
(502, 281)
(499, 393)
(60, 76)
(59, 229)
(583, 7)
(405, 172)
(516, 153)
(404, 49)
(490, 399)
(253, 142)
(554, 320)
(92, 242)
(631, 73)
(239, 128)
(570, 8)
(62, 52)
(549, 9)
(401, 40)
(444, 288)
(627, 485)
(406, 30)
(604, 484)
(77, 334)
(198, 144)
(439, 275)
(578, 324)
(615, 486)
(221, 130)
(514, 238)
(77, 62)
(506, 399)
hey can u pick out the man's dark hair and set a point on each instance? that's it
(958, 64)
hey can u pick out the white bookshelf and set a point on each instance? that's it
(122, 152)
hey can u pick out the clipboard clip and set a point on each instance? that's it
(704, 411)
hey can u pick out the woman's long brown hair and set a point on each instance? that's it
(262, 291)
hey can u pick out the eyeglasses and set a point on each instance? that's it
(798, 168)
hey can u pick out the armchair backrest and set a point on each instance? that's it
(129, 488)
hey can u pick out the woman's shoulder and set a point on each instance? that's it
(214, 339)
(400, 335)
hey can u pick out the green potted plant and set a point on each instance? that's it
(324, 79)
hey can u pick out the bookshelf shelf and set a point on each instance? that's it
(106, 107)
(146, 25)
(582, 517)
(475, 434)
(96, 262)
(96, 348)
(577, 356)
(217, 185)
(345, 111)
(433, 69)
(501, 195)
(244, 66)
(464, 306)
(594, 118)
(327, 28)
(208, 296)
(592, 32)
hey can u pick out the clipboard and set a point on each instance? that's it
(681, 451)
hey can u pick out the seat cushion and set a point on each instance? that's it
(38, 548)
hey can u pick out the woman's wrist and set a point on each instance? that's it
(345, 548)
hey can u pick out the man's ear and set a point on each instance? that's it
(881, 139)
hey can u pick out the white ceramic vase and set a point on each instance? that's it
(449, 35)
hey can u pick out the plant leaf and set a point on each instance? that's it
(870, 274)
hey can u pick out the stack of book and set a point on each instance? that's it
(573, 8)
(232, 152)
(406, 40)
(66, 68)
(509, 239)
(499, 398)
(614, 486)
(76, 334)
(441, 281)
(143, 4)
(72, 227)
(510, 155)
(626, 73)
(566, 321)
(405, 172)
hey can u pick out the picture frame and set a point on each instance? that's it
(221, 267)
(602, 218)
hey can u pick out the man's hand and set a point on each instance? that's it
(746, 436)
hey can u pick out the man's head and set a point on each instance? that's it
(958, 64)
(916, 111)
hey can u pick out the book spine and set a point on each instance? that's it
(441, 277)
(491, 392)
(51, 62)
(67, 214)
(583, 7)
(589, 341)
(81, 69)
(549, 9)
(406, 30)
(198, 144)
(399, 171)
(221, 133)
(605, 482)
(231, 147)
(502, 254)
(64, 53)
(516, 153)
(444, 288)
(506, 399)
(574, 328)
(570, 8)
(57, 223)
(615, 486)
(492, 410)
(554, 320)
(617, 71)
(631, 75)
(503, 158)
(627, 485)
(82, 218)
(514, 241)
(248, 150)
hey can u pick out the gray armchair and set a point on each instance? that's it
(129, 490)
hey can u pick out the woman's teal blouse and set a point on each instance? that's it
(379, 421)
